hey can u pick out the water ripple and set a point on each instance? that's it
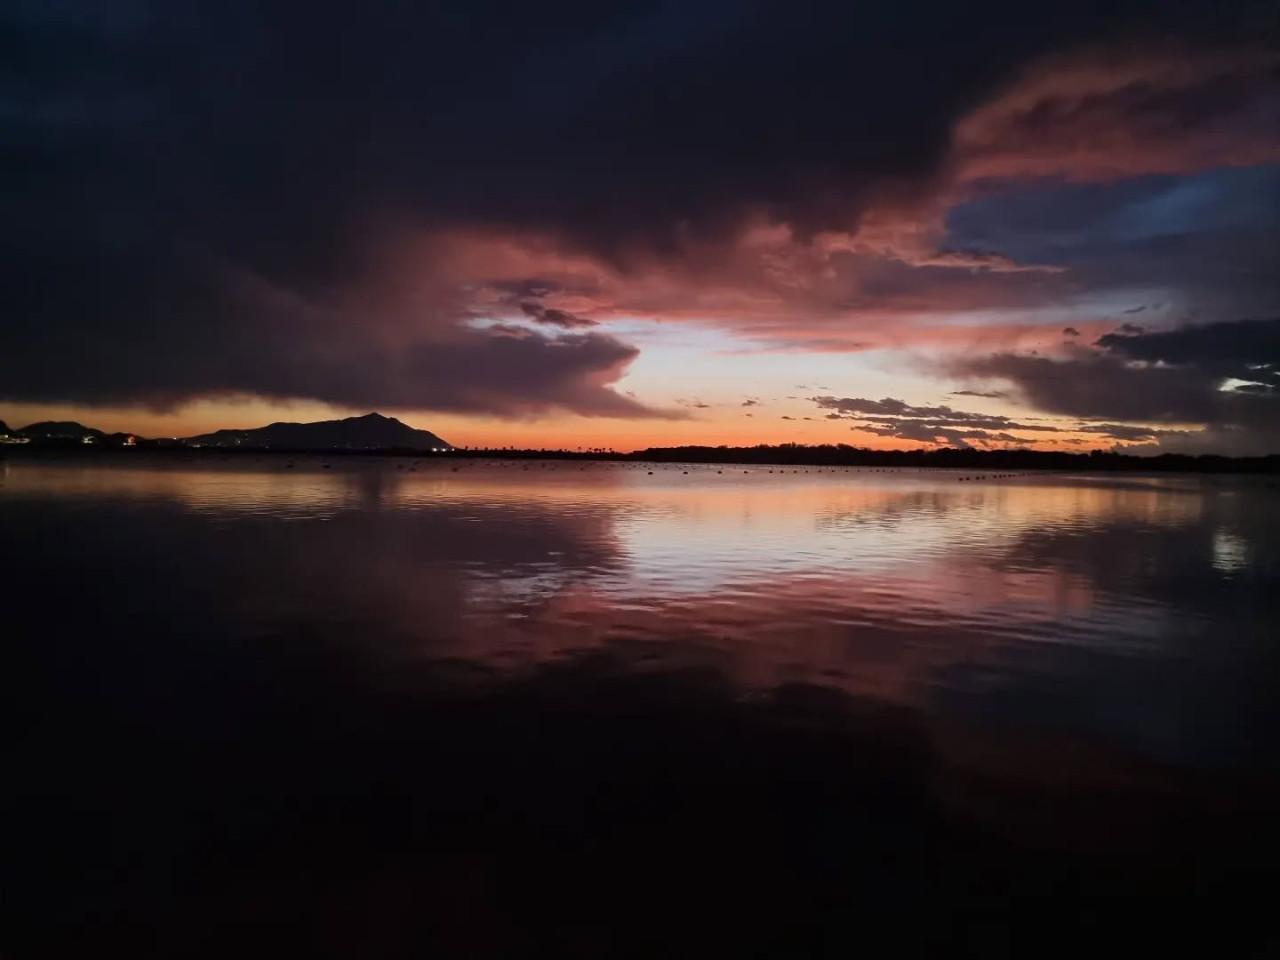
(1090, 602)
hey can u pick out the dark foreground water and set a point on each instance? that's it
(382, 708)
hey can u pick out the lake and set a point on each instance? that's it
(383, 702)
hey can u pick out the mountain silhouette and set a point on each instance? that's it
(58, 430)
(370, 432)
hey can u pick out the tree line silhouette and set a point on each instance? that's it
(841, 454)
(783, 454)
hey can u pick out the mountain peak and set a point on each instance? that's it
(372, 431)
(59, 430)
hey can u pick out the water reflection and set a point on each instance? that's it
(386, 708)
(1134, 609)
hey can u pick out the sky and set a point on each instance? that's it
(572, 224)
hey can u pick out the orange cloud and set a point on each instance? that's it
(767, 284)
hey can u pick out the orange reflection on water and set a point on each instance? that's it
(901, 585)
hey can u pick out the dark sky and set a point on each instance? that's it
(472, 208)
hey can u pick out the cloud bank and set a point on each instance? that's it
(446, 207)
(1223, 375)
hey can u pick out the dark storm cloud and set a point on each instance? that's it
(1173, 376)
(555, 318)
(890, 409)
(985, 394)
(1130, 432)
(943, 425)
(859, 405)
(1247, 350)
(936, 425)
(1099, 386)
(970, 420)
(175, 339)
(151, 147)
(941, 435)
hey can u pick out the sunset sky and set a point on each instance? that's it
(648, 223)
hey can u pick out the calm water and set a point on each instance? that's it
(375, 702)
(1134, 609)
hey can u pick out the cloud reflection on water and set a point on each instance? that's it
(1133, 609)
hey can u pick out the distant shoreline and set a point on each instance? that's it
(764, 455)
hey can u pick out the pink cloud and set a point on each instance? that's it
(1108, 114)
(889, 280)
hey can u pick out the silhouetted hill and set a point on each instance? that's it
(370, 432)
(59, 430)
(4, 429)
